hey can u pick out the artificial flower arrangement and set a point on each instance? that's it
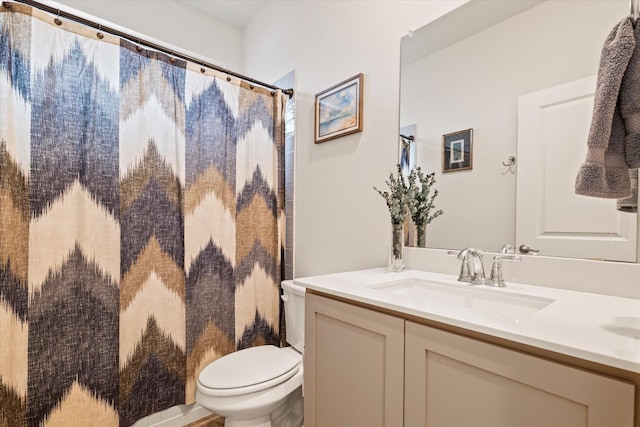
(420, 200)
(411, 197)
(396, 198)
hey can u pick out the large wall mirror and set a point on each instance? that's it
(484, 67)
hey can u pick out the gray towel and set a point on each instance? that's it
(605, 172)
(630, 106)
(630, 110)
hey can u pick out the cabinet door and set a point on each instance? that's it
(457, 381)
(353, 366)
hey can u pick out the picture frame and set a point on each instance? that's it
(338, 110)
(457, 151)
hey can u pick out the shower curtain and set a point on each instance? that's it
(141, 223)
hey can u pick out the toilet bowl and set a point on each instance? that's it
(260, 386)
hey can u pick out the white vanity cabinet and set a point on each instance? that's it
(457, 381)
(353, 366)
(365, 368)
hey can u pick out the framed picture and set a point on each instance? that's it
(457, 151)
(338, 110)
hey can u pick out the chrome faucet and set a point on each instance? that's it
(472, 269)
(507, 249)
(496, 278)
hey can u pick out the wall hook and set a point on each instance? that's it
(510, 161)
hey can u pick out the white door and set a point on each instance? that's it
(553, 125)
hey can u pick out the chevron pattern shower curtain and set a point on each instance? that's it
(141, 216)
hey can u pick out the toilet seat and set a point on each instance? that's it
(247, 371)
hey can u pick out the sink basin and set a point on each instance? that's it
(464, 301)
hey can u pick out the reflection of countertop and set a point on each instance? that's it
(597, 328)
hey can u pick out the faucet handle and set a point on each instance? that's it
(467, 274)
(465, 269)
(507, 249)
(496, 278)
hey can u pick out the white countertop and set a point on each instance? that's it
(598, 328)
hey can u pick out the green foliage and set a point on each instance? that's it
(396, 198)
(415, 199)
(420, 198)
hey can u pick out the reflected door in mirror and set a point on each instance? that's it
(552, 127)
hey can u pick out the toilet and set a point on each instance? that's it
(260, 386)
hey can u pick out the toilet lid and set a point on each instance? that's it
(252, 369)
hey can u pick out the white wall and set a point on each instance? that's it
(476, 84)
(171, 22)
(341, 222)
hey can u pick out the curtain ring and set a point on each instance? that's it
(138, 47)
(58, 21)
(6, 5)
(172, 58)
(251, 85)
(100, 35)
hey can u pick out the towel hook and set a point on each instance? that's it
(510, 161)
(634, 9)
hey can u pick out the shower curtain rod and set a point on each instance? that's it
(140, 41)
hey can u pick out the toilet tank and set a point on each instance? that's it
(293, 297)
